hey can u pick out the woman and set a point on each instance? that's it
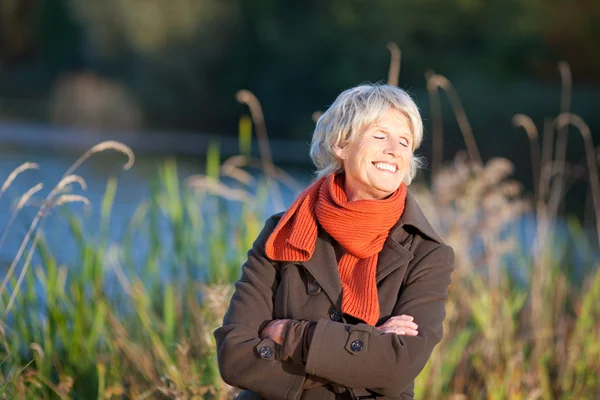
(342, 296)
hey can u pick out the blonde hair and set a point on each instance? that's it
(353, 111)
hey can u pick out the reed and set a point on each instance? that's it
(436, 81)
(523, 327)
(395, 62)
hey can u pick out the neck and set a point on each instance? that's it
(353, 195)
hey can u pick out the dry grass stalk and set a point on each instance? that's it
(19, 252)
(103, 146)
(589, 201)
(471, 206)
(572, 173)
(38, 349)
(27, 195)
(13, 175)
(246, 97)
(42, 211)
(141, 359)
(20, 204)
(70, 198)
(316, 115)
(66, 181)
(575, 120)
(561, 181)
(394, 70)
(23, 272)
(568, 174)
(440, 81)
(211, 185)
(544, 219)
(216, 299)
(558, 172)
(234, 171)
(63, 388)
(524, 121)
(544, 184)
(280, 175)
(565, 107)
(437, 145)
(113, 260)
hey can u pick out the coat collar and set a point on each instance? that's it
(323, 264)
(414, 217)
(394, 254)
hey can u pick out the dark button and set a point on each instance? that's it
(265, 352)
(335, 315)
(357, 345)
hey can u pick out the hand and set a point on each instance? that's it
(274, 330)
(400, 325)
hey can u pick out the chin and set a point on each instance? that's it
(389, 188)
(385, 192)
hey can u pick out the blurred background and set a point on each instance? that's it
(117, 298)
(164, 76)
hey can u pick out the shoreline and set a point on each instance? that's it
(63, 139)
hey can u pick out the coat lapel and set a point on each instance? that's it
(391, 257)
(323, 267)
(413, 216)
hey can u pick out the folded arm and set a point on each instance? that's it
(245, 359)
(361, 356)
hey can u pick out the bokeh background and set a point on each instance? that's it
(114, 279)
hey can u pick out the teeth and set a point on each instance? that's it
(385, 166)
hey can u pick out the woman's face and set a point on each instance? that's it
(376, 162)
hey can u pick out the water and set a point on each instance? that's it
(132, 189)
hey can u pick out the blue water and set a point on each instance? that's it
(132, 189)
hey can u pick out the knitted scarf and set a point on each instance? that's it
(361, 227)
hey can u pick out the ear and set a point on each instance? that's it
(339, 151)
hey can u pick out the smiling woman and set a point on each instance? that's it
(342, 296)
(376, 163)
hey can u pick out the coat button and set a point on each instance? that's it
(265, 352)
(357, 345)
(335, 315)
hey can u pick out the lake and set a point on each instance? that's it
(55, 150)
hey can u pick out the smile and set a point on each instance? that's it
(386, 167)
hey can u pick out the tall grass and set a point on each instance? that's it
(517, 309)
(133, 318)
(114, 323)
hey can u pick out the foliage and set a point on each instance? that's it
(182, 60)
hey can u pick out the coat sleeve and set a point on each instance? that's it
(359, 356)
(245, 360)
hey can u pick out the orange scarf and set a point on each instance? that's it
(361, 227)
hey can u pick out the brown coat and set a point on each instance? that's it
(413, 274)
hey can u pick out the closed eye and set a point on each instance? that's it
(404, 142)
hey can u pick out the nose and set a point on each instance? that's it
(394, 148)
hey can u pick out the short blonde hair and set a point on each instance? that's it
(351, 114)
